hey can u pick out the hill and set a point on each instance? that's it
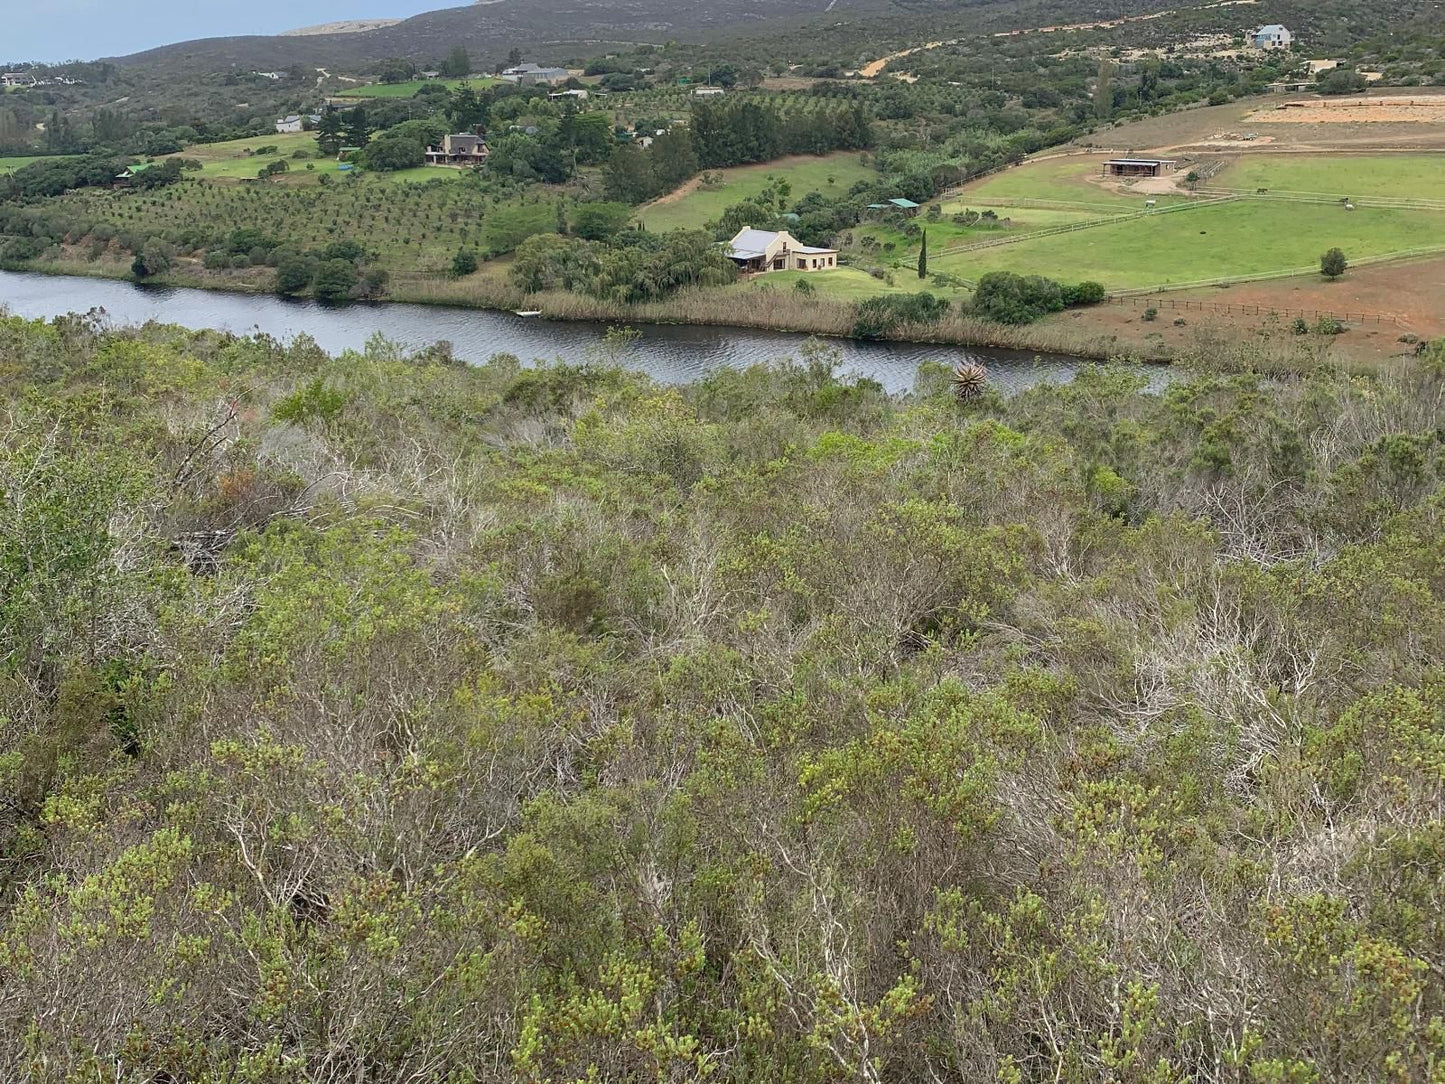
(489, 30)
(349, 26)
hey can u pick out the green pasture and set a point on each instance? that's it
(1071, 180)
(410, 90)
(805, 175)
(237, 159)
(1250, 237)
(1419, 176)
(945, 233)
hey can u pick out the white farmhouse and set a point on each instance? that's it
(1272, 36)
(761, 251)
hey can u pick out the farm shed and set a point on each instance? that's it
(1138, 167)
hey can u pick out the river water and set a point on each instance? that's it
(671, 354)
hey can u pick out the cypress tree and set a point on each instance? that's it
(923, 257)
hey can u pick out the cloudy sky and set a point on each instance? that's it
(52, 30)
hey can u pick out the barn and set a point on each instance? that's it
(1138, 167)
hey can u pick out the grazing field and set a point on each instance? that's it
(1071, 180)
(409, 90)
(238, 160)
(1219, 241)
(693, 205)
(1420, 176)
(945, 233)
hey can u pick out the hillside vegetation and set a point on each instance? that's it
(380, 718)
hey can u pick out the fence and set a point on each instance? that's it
(1397, 203)
(1075, 227)
(1185, 304)
(1293, 272)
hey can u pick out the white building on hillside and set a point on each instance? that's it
(295, 123)
(528, 75)
(1272, 36)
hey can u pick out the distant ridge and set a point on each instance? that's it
(490, 30)
(348, 26)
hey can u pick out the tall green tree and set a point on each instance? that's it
(330, 133)
(358, 127)
(1104, 90)
(458, 64)
(923, 257)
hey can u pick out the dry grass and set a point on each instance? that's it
(781, 310)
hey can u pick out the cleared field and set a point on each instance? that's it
(945, 233)
(238, 158)
(1420, 176)
(1072, 180)
(409, 90)
(1221, 241)
(693, 205)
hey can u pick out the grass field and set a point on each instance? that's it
(945, 234)
(1063, 180)
(10, 165)
(805, 175)
(1419, 176)
(409, 90)
(1220, 241)
(237, 160)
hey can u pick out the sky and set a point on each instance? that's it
(53, 30)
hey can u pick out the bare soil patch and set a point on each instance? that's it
(1424, 109)
(1409, 298)
(1411, 294)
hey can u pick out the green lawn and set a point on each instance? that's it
(409, 90)
(738, 184)
(10, 165)
(237, 159)
(1337, 176)
(1065, 180)
(1220, 241)
(944, 233)
(420, 175)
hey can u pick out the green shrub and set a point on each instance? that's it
(877, 316)
(464, 263)
(1007, 298)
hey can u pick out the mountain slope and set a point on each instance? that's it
(489, 30)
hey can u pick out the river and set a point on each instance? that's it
(672, 354)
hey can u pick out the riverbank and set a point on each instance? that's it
(1208, 338)
(753, 306)
(670, 354)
